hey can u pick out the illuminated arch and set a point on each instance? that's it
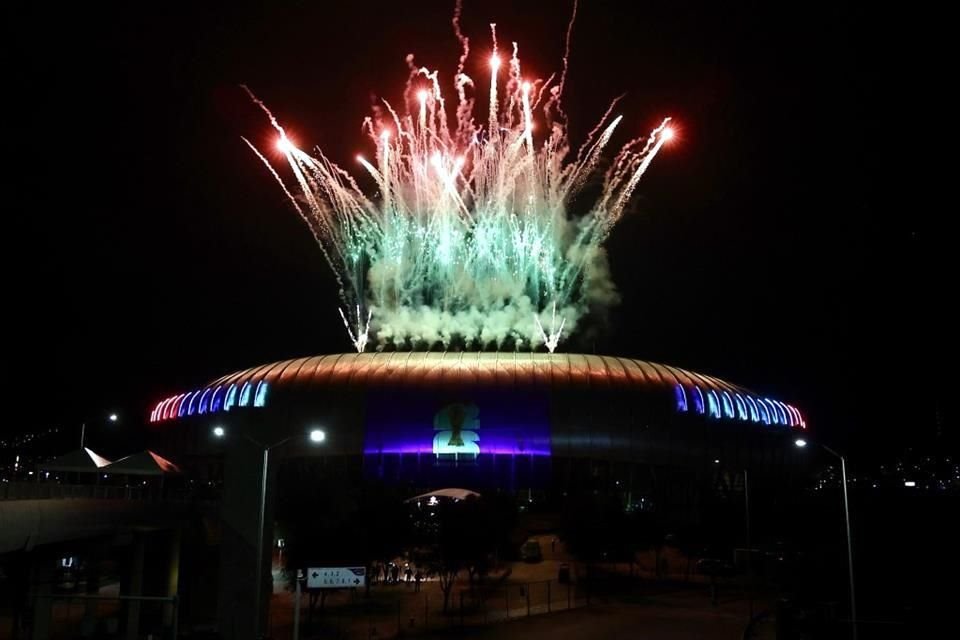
(741, 407)
(165, 409)
(796, 414)
(231, 398)
(185, 405)
(681, 397)
(754, 414)
(191, 409)
(727, 404)
(785, 413)
(778, 412)
(774, 414)
(713, 404)
(216, 402)
(260, 397)
(155, 414)
(175, 407)
(245, 394)
(204, 401)
(763, 411)
(698, 400)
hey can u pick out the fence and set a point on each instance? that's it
(57, 491)
(396, 611)
(65, 616)
(53, 491)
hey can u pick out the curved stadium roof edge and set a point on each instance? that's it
(692, 392)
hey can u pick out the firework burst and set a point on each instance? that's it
(468, 239)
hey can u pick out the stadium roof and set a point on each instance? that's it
(692, 392)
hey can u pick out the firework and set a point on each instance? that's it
(468, 239)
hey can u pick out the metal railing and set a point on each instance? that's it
(56, 491)
(398, 611)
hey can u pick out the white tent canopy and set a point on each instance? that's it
(450, 492)
(145, 463)
(82, 460)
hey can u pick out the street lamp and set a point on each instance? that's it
(218, 432)
(316, 436)
(113, 417)
(801, 443)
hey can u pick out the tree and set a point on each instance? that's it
(327, 519)
(463, 536)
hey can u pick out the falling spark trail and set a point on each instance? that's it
(359, 339)
(552, 339)
(470, 236)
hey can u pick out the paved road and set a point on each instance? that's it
(661, 619)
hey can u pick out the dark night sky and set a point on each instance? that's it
(157, 252)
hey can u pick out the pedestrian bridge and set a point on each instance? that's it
(34, 514)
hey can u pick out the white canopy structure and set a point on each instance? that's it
(82, 461)
(450, 492)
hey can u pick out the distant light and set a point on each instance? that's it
(495, 62)
(667, 134)
(317, 435)
(716, 461)
(800, 442)
(422, 96)
(218, 431)
(113, 417)
(909, 483)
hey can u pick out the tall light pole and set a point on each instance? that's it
(316, 436)
(746, 502)
(801, 443)
(113, 417)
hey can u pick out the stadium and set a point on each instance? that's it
(565, 438)
(514, 421)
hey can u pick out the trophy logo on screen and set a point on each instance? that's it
(457, 429)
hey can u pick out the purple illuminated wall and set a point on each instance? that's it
(454, 424)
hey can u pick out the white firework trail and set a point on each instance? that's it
(360, 338)
(552, 339)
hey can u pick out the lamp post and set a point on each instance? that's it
(316, 436)
(801, 443)
(746, 503)
(113, 417)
